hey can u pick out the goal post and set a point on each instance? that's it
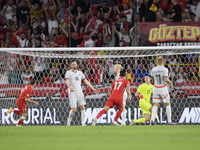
(49, 65)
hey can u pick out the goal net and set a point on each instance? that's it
(48, 67)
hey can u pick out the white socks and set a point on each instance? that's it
(71, 114)
(83, 116)
(123, 117)
(169, 113)
(153, 113)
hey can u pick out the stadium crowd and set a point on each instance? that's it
(87, 23)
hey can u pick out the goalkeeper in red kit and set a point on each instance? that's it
(116, 97)
(21, 102)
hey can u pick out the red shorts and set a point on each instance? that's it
(22, 108)
(113, 101)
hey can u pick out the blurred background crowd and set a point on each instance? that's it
(88, 23)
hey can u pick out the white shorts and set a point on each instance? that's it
(76, 99)
(125, 95)
(157, 98)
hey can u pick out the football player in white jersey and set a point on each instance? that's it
(160, 91)
(74, 78)
(117, 69)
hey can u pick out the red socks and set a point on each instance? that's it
(16, 112)
(101, 113)
(118, 114)
(20, 122)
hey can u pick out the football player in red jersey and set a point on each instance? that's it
(116, 97)
(21, 102)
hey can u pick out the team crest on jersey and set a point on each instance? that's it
(27, 94)
(77, 78)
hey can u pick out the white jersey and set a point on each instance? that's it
(26, 78)
(75, 79)
(22, 42)
(158, 73)
(125, 92)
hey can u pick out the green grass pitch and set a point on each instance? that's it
(100, 137)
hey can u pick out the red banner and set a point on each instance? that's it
(170, 33)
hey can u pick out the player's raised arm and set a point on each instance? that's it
(30, 101)
(89, 84)
(168, 81)
(128, 91)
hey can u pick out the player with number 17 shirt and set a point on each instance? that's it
(116, 97)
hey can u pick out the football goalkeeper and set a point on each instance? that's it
(144, 93)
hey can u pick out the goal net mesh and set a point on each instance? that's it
(48, 67)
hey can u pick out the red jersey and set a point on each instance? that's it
(25, 93)
(118, 87)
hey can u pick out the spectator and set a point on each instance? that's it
(23, 10)
(51, 78)
(99, 41)
(27, 76)
(108, 39)
(22, 28)
(64, 6)
(46, 40)
(193, 75)
(45, 78)
(59, 79)
(115, 11)
(39, 23)
(128, 12)
(124, 38)
(38, 67)
(124, 24)
(48, 96)
(22, 39)
(31, 44)
(15, 76)
(151, 10)
(99, 73)
(3, 75)
(137, 17)
(67, 18)
(34, 38)
(172, 74)
(193, 17)
(176, 12)
(130, 74)
(36, 10)
(81, 22)
(143, 10)
(2, 33)
(181, 75)
(104, 8)
(4, 43)
(52, 20)
(13, 39)
(87, 42)
(135, 34)
(198, 11)
(138, 74)
(10, 11)
(166, 17)
(185, 15)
